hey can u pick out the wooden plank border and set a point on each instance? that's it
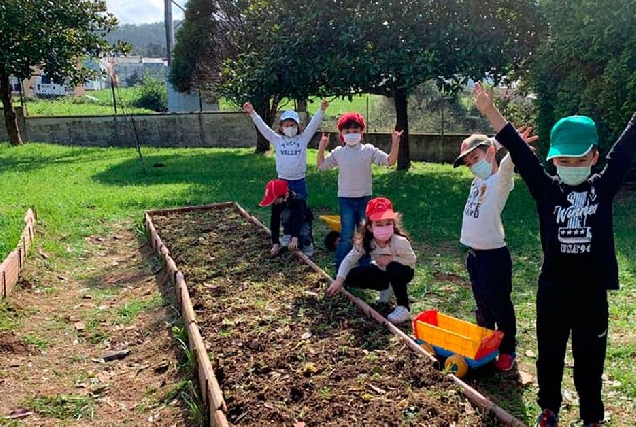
(211, 394)
(213, 397)
(14, 262)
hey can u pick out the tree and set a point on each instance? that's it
(587, 65)
(281, 55)
(393, 47)
(295, 49)
(52, 36)
(204, 41)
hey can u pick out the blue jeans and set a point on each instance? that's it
(298, 186)
(352, 212)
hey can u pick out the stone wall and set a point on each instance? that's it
(208, 129)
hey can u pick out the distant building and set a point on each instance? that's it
(128, 71)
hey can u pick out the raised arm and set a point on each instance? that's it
(522, 155)
(620, 157)
(395, 146)
(262, 127)
(323, 163)
(315, 121)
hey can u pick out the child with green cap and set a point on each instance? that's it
(579, 258)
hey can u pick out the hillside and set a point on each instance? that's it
(146, 39)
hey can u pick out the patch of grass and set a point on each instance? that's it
(95, 103)
(10, 317)
(130, 310)
(38, 342)
(63, 406)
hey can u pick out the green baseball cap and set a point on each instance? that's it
(572, 136)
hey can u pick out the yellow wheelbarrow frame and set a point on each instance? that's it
(332, 238)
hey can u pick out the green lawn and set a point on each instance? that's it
(92, 103)
(79, 191)
(100, 102)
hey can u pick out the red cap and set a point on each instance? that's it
(355, 117)
(380, 208)
(273, 190)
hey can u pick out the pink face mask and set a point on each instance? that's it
(383, 233)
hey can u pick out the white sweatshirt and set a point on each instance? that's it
(354, 168)
(398, 246)
(481, 226)
(291, 153)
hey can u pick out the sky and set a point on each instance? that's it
(142, 11)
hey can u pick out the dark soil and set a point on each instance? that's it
(10, 344)
(285, 354)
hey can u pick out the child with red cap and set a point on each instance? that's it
(381, 237)
(290, 210)
(355, 185)
(290, 144)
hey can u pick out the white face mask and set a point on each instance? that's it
(352, 139)
(573, 175)
(290, 131)
(482, 169)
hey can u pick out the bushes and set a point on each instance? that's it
(153, 95)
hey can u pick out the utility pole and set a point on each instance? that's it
(169, 29)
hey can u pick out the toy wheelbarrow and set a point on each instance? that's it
(462, 343)
(332, 238)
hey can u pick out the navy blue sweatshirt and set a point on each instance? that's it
(293, 213)
(576, 225)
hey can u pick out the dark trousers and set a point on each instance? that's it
(561, 309)
(370, 276)
(490, 274)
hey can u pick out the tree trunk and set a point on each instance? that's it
(402, 123)
(10, 118)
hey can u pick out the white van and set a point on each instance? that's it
(44, 87)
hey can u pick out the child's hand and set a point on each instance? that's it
(324, 104)
(524, 132)
(483, 99)
(324, 141)
(384, 260)
(248, 108)
(335, 287)
(274, 250)
(395, 136)
(293, 244)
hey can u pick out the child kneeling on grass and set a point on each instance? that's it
(289, 209)
(393, 262)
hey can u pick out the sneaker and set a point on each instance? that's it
(505, 362)
(384, 296)
(399, 315)
(547, 418)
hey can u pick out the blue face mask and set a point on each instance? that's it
(482, 169)
(573, 175)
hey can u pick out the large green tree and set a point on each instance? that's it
(53, 36)
(395, 46)
(587, 65)
(204, 40)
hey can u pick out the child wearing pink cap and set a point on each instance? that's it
(393, 265)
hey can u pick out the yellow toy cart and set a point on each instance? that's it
(462, 343)
(332, 238)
